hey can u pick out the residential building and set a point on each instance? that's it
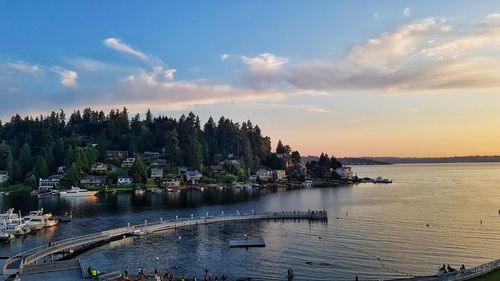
(193, 175)
(264, 174)
(149, 154)
(99, 167)
(171, 183)
(49, 183)
(61, 169)
(159, 163)
(93, 181)
(156, 173)
(117, 153)
(344, 173)
(127, 163)
(124, 181)
(216, 169)
(253, 177)
(4, 176)
(279, 175)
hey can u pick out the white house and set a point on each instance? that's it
(171, 183)
(279, 175)
(99, 167)
(4, 176)
(193, 176)
(127, 163)
(156, 173)
(264, 174)
(344, 173)
(48, 183)
(125, 180)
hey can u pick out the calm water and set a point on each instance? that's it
(382, 220)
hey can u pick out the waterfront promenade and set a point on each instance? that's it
(30, 260)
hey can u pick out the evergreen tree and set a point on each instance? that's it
(138, 171)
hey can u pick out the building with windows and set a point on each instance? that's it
(4, 176)
(49, 183)
(127, 163)
(124, 181)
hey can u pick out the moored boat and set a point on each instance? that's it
(77, 192)
(37, 218)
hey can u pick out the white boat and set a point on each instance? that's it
(4, 237)
(37, 220)
(14, 227)
(307, 184)
(77, 192)
(8, 215)
(382, 180)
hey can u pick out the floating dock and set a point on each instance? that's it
(246, 243)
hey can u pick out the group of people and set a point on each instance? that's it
(167, 276)
(448, 268)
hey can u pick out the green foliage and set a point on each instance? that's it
(227, 178)
(138, 172)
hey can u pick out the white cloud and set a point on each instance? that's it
(407, 12)
(157, 75)
(264, 62)
(224, 57)
(404, 60)
(492, 18)
(68, 78)
(24, 67)
(117, 45)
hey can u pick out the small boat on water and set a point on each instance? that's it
(157, 190)
(37, 220)
(382, 180)
(139, 192)
(4, 237)
(307, 184)
(77, 192)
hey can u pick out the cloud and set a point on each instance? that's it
(224, 57)
(24, 67)
(68, 78)
(424, 54)
(117, 45)
(407, 12)
(264, 62)
(492, 18)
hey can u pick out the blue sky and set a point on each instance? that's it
(332, 76)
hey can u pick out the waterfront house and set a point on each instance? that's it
(99, 167)
(93, 181)
(150, 154)
(253, 177)
(344, 173)
(124, 181)
(156, 173)
(61, 169)
(117, 153)
(171, 183)
(279, 175)
(4, 176)
(264, 174)
(49, 183)
(159, 163)
(128, 162)
(216, 170)
(193, 176)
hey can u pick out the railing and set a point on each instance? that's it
(31, 255)
(466, 274)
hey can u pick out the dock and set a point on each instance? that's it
(70, 247)
(246, 243)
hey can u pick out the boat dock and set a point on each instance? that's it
(247, 243)
(67, 248)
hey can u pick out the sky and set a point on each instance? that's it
(349, 78)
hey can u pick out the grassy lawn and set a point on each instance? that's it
(492, 276)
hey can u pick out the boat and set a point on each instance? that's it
(4, 237)
(77, 192)
(65, 217)
(382, 180)
(14, 226)
(156, 190)
(139, 192)
(8, 215)
(37, 220)
(307, 184)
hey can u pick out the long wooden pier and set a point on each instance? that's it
(26, 260)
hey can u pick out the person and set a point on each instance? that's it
(223, 277)
(89, 271)
(462, 267)
(356, 278)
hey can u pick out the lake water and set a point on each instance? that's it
(366, 221)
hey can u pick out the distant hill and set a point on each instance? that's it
(361, 161)
(455, 159)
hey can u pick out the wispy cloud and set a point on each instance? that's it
(224, 57)
(118, 45)
(68, 77)
(407, 12)
(265, 62)
(24, 67)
